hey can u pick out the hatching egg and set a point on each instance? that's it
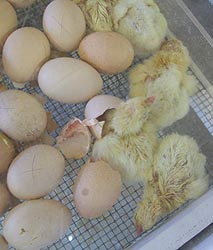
(69, 80)
(97, 188)
(108, 52)
(99, 104)
(64, 24)
(8, 21)
(96, 107)
(35, 172)
(24, 52)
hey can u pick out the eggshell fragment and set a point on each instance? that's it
(24, 52)
(64, 24)
(36, 224)
(35, 172)
(3, 244)
(8, 21)
(97, 189)
(96, 107)
(21, 3)
(74, 140)
(108, 52)
(69, 80)
(7, 153)
(23, 118)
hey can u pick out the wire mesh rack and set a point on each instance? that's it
(115, 230)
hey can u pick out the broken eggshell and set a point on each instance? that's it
(74, 140)
(95, 108)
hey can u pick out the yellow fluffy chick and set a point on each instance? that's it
(165, 76)
(178, 175)
(97, 14)
(142, 23)
(128, 142)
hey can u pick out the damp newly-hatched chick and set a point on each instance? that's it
(165, 76)
(178, 175)
(128, 141)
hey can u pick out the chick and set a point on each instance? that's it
(165, 76)
(142, 23)
(97, 14)
(128, 141)
(178, 175)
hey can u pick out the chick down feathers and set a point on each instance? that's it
(142, 23)
(178, 175)
(164, 76)
(129, 142)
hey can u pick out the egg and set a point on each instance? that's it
(69, 80)
(7, 152)
(64, 24)
(21, 3)
(8, 21)
(97, 188)
(35, 172)
(24, 52)
(74, 140)
(109, 52)
(7, 200)
(99, 104)
(23, 118)
(96, 107)
(36, 224)
(3, 244)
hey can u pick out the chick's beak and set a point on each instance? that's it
(139, 229)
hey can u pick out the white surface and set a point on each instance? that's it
(183, 227)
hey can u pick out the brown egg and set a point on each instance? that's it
(3, 244)
(24, 52)
(35, 224)
(23, 118)
(7, 200)
(64, 24)
(7, 153)
(8, 21)
(97, 189)
(35, 172)
(109, 52)
(21, 3)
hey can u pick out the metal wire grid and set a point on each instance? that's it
(115, 230)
